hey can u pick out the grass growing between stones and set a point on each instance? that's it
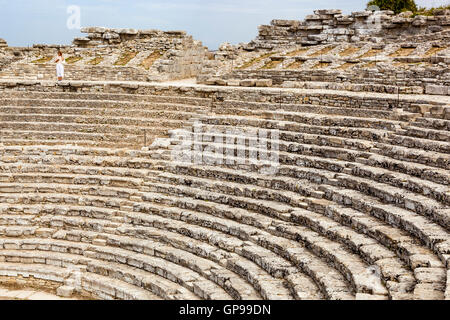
(297, 52)
(371, 53)
(433, 50)
(370, 65)
(322, 51)
(321, 65)
(295, 65)
(402, 52)
(347, 65)
(72, 60)
(125, 58)
(256, 60)
(150, 60)
(42, 60)
(349, 51)
(271, 64)
(95, 61)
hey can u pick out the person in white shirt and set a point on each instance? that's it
(59, 66)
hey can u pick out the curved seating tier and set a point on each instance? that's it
(358, 207)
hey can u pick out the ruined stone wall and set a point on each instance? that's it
(7, 56)
(113, 54)
(371, 79)
(329, 26)
(181, 55)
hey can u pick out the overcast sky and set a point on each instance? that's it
(27, 22)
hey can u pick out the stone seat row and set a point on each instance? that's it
(94, 285)
(403, 153)
(59, 105)
(104, 98)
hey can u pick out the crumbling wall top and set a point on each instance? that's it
(328, 26)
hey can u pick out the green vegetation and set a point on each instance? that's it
(271, 64)
(150, 60)
(74, 59)
(399, 6)
(125, 58)
(395, 5)
(256, 60)
(95, 61)
(42, 60)
(430, 11)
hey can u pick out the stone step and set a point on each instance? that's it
(123, 130)
(286, 121)
(85, 143)
(96, 105)
(426, 133)
(119, 97)
(92, 120)
(126, 114)
(222, 109)
(98, 285)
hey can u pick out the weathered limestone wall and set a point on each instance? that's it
(329, 26)
(181, 55)
(412, 81)
(113, 54)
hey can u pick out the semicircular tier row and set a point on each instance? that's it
(356, 208)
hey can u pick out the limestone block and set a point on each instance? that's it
(82, 39)
(110, 35)
(65, 291)
(328, 12)
(442, 12)
(93, 30)
(248, 83)
(437, 90)
(444, 20)
(127, 31)
(318, 37)
(344, 19)
(361, 14)
(263, 82)
(284, 23)
(312, 17)
(405, 14)
(433, 29)
(342, 38)
(419, 21)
